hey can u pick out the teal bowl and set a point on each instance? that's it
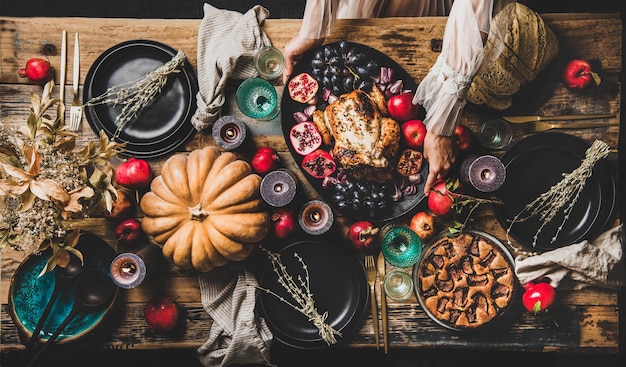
(29, 293)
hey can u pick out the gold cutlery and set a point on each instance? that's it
(540, 126)
(370, 269)
(63, 67)
(76, 110)
(383, 298)
(524, 119)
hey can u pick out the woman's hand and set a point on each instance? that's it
(294, 50)
(440, 152)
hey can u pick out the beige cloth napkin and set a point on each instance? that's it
(227, 42)
(238, 335)
(598, 263)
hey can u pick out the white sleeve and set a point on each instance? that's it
(443, 90)
(318, 19)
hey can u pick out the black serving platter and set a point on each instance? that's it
(165, 123)
(289, 107)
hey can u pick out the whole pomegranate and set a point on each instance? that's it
(441, 197)
(361, 235)
(36, 70)
(161, 313)
(265, 160)
(283, 222)
(538, 297)
(134, 174)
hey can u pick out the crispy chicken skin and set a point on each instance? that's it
(363, 137)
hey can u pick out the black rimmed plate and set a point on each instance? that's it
(337, 280)
(533, 166)
(165, 123)
(288, 107)
(29, 293)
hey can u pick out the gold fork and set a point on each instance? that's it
(76, 110)
(540, 126)
(370, 268)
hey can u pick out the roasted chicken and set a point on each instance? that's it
(365, 141)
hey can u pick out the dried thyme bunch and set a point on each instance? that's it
(136, 95)
(563, 195)
(301, 294)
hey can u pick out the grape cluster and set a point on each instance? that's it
(341, 68)
(362, 197)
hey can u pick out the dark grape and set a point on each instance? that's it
(365, 85)
(317, 63)
(373, 68)
(348, 83)
(343, 46)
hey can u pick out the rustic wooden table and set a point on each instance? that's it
(589, 319)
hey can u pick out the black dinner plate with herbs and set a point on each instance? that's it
(163, 124)
(337, 282)
(533, 166)
(376, 201)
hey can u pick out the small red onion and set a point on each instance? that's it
(308, 110)
(300, 116)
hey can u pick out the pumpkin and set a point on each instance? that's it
(205, 209)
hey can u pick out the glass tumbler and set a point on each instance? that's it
(257, 98)
(398, 285)
(400, 245)
(495, 134)
(269, 62)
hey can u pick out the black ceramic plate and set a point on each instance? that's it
(289, 107)
(162, 125)
(29, 293)
(533, 166)
(337, 281)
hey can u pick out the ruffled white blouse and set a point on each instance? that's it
(442, 91)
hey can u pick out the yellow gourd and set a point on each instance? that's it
(205, 209)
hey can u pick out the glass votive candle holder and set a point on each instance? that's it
(257, 98)
(269, 62)
(400, 245)
(495, 134)
(398, 285)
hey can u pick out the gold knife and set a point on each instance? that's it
(523, 119)
(383, 298)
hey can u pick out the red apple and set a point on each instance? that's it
(441, 197)
(423, 224)
(578, 75)
(265, 160)
(161, 313)
(463, 138)
(414, 132)
(129, 232)
(283, 222)
(134, 174)
(401, 107)
(361, 235)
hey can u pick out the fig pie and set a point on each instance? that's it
(466, 281)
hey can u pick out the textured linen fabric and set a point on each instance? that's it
(238, 335)
(227, 42)
(597, 263)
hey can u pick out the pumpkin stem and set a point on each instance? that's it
(197, 213)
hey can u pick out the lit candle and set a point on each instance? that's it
(229, 132)
(485, 173)
(278, 188)
(316, 217)
(129, 269)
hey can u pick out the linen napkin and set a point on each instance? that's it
(227, 42)
(597, 263)
(237, 335)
